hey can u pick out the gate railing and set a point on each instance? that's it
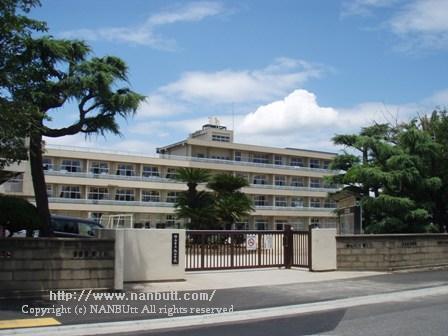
(230, 249)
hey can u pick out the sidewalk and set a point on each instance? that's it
(205, 280)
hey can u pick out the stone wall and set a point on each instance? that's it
(391, 252)
(40, 264)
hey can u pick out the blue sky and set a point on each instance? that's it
(284, 73)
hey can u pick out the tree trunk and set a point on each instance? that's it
(40, 188)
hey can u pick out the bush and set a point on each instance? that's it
(18, 214)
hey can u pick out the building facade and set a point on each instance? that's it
(287, 185)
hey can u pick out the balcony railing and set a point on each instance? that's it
(109, 202)
(168, 205)
(56, 172)
(191, 158)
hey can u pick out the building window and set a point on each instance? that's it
(314, 163)
(280, 224)
(98, 193)
(171, 173)
(315, 183)
(314, 221)
(280, 201)
(71, 192)
(125, 170)
(259, 179)
(219, 157)
(171, 221)
(296, 162)
(260, 224)
(315, 203)
(278, 160)
(99, 167)
(150, 196)
(326, 164)
(260, 158)
(237, 156)
(299, 224)
(49, 190)
(171, 197)
(297, 202)
(260, 200)
(47, 164)
(73, 166)
(124, 195)
(221, 138)
(150, 171)
(297, 181)
(330, 203)
(280, 180)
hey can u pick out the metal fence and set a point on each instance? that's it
(214, 250)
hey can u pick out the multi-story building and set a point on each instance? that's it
(286, 184)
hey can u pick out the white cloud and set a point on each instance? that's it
(423, 23)
(364, 7)
(144, 33)
(419, 24)
(159, 106)
(297, 120)
(231, 86)
(440, 98)
(191, 12)
(297, 110)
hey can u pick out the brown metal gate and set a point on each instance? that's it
(214, 250)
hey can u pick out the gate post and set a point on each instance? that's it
(288, 249)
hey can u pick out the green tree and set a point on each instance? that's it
(15, 31)
(193, 205)
(231, 205)
(18, 214)
(50, 73)
(392, 171)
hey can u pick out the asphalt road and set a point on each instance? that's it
(239, 298)
(423, 317)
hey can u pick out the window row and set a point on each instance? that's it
(100, 167)
(280, 160)
(295, 202)
(101, 193)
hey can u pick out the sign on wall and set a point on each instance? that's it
(175, 249)
(251, 242)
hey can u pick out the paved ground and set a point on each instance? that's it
(247, 278)
(270, 288)
(422, 317)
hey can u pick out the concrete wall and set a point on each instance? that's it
(39, 264)
(146, 254)
(391, 252)
(323, 247)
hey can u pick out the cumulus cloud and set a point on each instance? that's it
(231, 86)
(298, 109)
(144, 33)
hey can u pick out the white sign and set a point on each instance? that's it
(268, 242)
(251, 242)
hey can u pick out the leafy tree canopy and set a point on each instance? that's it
(399, 173)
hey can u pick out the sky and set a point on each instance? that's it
(283, 73)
